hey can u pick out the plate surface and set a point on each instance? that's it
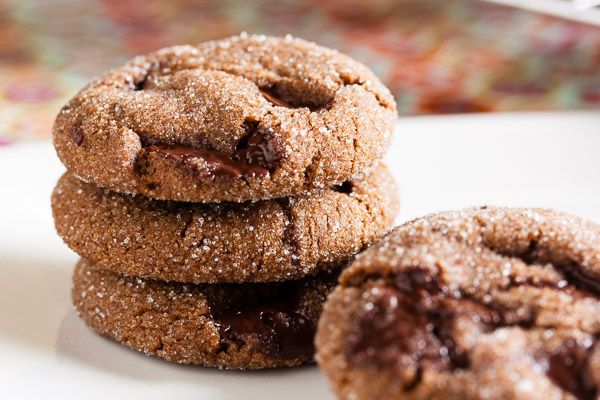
(446, 162)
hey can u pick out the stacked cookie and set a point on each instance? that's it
(214, 193)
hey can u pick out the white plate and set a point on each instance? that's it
(532, 159)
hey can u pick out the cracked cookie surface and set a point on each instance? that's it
(483, 303)
(237, 326)
(269, 240)
(243, 118)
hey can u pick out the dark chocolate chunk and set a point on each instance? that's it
(259, 149)
(256, 157)
(568, 368)
(575, 275)
(138, 83)
(409, 330)
(208, 164)
(411, 325)
(392, 332)
(76, 134)
(274, 99)
(345, 187)
(276, 318)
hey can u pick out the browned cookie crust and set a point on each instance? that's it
(241, 326)
(270, 240)
(484, 303)
(243, 118)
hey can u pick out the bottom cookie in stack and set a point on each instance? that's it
(241, 326)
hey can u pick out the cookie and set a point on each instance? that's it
(484, 303)
(270, 240)
(238, 326)
(243, 118)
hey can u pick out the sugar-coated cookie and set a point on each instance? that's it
(483, 303)
(238, 326)
(270, 240)
(243, 118)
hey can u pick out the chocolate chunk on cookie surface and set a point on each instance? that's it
(243, 118)
(475, 304)
(270, 240)
(237, 326)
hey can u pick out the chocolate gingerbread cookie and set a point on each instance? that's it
(270, 240)
(239, 326)
(484, 303)
(243, 118)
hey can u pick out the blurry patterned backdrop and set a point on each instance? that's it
(437, 56)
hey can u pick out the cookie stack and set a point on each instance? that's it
(214, 193)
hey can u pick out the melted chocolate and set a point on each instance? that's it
(76, 134)
(575, 276)
(582, 281)
(393, 332)
(277, 319)
(411, 324)
(275, 100)
(139, 83)
(346, 187)
(419, 282)
(208, 164)
(257, 158)
(258, 149)
(567, 368)
(271, 96)
(406, 330)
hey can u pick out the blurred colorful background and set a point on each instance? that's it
(437, 56)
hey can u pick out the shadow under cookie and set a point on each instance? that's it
(238, 326)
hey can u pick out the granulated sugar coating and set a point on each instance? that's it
(244, 118)
(484, 303)
(271, 240)
(247, 326)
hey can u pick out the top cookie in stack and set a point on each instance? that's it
(285, 135)
(244, 118)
